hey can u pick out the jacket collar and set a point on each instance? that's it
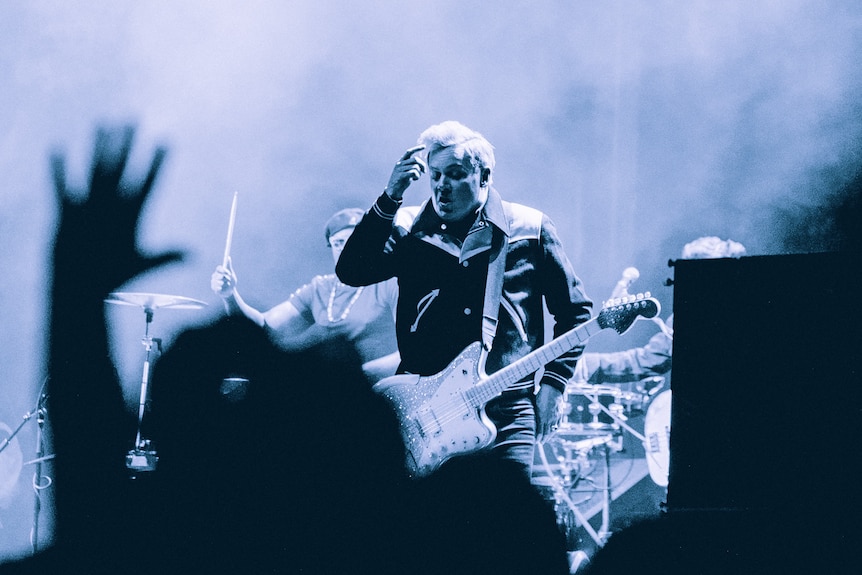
(494, 213)
(426, 227)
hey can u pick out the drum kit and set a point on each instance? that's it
(142, 457)
(575, 460)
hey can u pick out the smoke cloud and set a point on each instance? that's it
(637, 126)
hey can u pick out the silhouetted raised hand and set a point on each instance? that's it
(96, 242)
(95, 251)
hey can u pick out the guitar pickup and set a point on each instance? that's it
(428, 423)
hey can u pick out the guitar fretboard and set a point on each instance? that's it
(507, 377)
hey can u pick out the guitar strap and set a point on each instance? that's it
(493, 287)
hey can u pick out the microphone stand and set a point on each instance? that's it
(40, 412)
(9, 439)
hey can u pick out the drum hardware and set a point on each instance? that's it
(563, 487)
(572, 462)
(615, 413)
(585, 436)
(40, 460)
(623, 405)
(40, 481)
(574, 455)
(595, 408)
(651, 385)
(234, 389)
(142, 457)
(39, 411)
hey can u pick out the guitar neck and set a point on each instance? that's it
(509, 376)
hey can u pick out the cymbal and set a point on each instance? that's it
(153, 301)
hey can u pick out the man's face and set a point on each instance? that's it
(456, 186)
(337, 241)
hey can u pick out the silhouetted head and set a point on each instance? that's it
(710, 247)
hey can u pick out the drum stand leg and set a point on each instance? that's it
(606, 502)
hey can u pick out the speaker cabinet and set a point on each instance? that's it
(766, 386)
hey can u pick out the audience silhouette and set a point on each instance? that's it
(269, 461)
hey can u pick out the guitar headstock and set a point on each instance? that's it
(620, 313)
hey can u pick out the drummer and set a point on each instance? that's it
(324, 309)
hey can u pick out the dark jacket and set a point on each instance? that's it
(442, 282)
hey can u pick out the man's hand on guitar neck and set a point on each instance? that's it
(547, 411)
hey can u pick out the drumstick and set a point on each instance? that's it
(230, 230)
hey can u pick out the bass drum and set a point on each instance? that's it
(657, 438)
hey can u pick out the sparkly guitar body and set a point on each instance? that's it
(443, 415)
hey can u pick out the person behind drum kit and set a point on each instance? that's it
(326, 309)
(439, 252)
(654, 358)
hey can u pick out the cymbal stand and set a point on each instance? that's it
(142, 457)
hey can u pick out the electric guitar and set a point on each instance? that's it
(443, 415)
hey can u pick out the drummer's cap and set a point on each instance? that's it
(343, 219)
(709, 247)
